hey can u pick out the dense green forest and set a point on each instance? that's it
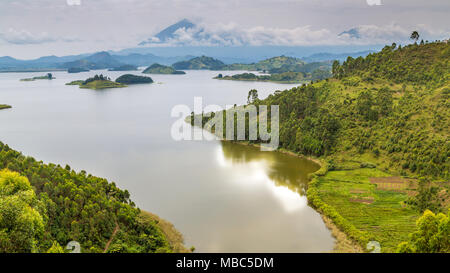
(380, 127)
(199, 63)
(45, 206)
(162, 69)
(133, 79)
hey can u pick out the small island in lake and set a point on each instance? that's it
(133, 79)
(5, 106)
(97, 82)
(49, 76)
(77, 70)
(162, 69)
(125, 67)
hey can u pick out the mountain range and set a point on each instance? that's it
(146, 54)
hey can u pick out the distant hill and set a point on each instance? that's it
(149, 58)
(100, 60)
(320, 57)
(199, 63)
(267, 64)
(162, 69)
(85, 62)
(125, 67)
(282, 64)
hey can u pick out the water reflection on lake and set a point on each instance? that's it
(283, 175)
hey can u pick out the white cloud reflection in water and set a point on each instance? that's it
(255, 176)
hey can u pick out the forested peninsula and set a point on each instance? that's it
(380, 128)
(45, 206)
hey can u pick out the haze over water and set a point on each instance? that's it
(223, 197)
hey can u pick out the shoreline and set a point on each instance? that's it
(342, 244)
(280, 82)
(173, 235)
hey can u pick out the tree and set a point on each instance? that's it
(364, 104)
(55, 248)
(335, 69)
(432, 235)
(415, 36)
(21, 225)
(252, 96)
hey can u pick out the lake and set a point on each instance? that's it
(223, 197)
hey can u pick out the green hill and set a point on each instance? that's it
(199, 63)
(381, 129)
(100, 60)
(4, 106)
(270, 65)
(162, 69)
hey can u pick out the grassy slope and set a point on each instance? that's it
(425, 109)
(385, 220)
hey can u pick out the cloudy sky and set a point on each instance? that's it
(33, 28)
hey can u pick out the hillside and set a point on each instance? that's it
(268, 64)
(100, 60)
(199, 63)
(4, 106)
(44, 206)
(381, 129)
(162, 69)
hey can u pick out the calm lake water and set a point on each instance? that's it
(223, 197)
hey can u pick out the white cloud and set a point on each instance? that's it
(73, 2)
(24, 37)
(386, 34)
(234, 35)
